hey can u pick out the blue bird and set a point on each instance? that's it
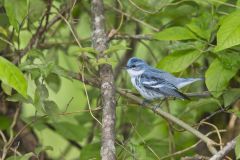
(153, 83)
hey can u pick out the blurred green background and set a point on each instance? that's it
(189, 38)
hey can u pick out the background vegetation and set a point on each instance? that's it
(50, 103)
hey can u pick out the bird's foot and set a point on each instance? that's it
(156, 107)
(145, 102)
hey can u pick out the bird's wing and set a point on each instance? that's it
(155, 80)
(160, 85)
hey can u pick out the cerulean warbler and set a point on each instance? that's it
(153, 83)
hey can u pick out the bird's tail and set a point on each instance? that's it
(186, 81)
(182, 96)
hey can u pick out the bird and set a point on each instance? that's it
(154, 83)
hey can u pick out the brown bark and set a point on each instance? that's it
(99, 40)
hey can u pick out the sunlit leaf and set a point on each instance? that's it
(229, 32)
(6, 88)
(12, 76)
(179, 60)
(175, 33)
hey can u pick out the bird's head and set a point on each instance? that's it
(135, 66)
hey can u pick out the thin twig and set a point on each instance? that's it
(3, 137)
(136, 37)
(8, 144)
(217, 131)
(88, 102)
(175, 120)
(134, 18)
(188, 148)
(144, 142)
(223, 152)
(141, 9)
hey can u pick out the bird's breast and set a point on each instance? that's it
(148, 94)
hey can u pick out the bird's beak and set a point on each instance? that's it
(126, 67)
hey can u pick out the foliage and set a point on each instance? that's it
(43, 67)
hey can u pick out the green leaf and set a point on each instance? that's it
(54, 82)
(88, 49)
(47, 68)
(51, 108)
(202, 25)
(26, 156)
(12, 76)
(63, 72)
(199, 107)
(231, 96)
(3, 31)
(115, 48)
(175, 33)
(5, 122)
(228, 34)
(237, 148)
(36, 9)
(16, 11)
(75, 132)
(19, 98)
(91, 151)
(101, 61)
(35, 53)
(218, 76)
(230, 60)
(179, 60)
(43, 91)
(41, 94)
(40, 149)
(6, 88)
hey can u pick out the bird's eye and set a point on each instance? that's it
(133, 66)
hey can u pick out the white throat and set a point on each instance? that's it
(134, 73)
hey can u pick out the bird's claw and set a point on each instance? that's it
(156, 107)
(145, 102)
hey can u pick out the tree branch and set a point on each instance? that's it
(223, 152)
(134, 19)
(42, 29)
(99, 40)
(175, 120)
(135, 37)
